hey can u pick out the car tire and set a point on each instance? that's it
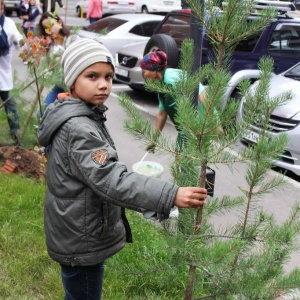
(145, 10)
(167, 44)
(137, 88)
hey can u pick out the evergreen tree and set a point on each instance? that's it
(243, 260)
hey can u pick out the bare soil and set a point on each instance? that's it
(15, 159)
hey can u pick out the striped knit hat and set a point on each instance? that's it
(79, 55)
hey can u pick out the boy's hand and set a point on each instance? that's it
(190, 197)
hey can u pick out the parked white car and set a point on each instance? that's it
(121, 29)
(128, 69)
(157, 6)
(285, 118)
(109, 7)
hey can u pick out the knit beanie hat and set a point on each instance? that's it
(79, 55)
(155, 60)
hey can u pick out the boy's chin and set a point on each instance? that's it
(95, 102)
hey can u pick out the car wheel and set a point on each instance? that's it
(137, 88)
(145, 10)
(167, 44)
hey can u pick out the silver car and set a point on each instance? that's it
(285, 118)
(128, 59)
(122, 29)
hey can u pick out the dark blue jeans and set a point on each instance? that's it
(93, 20)
(11, 112)
(83, 283)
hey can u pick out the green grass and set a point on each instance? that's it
(26, 271)
(147, 269)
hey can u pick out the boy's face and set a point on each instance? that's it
(94, 84)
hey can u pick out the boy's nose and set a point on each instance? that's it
(102, 84)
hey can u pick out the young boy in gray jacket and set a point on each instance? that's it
(88, 188)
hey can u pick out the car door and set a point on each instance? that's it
(247, 53)
(284, 46)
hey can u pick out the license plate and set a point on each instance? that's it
(123, 2)
(251, 136)
(121, 72)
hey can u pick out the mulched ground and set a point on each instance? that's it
(29, 163)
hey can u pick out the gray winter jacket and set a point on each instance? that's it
(88, 188)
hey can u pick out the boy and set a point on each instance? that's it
(88, 188)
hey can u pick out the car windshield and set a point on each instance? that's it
(105, 25)
(294, 72)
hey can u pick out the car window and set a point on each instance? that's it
(106, 25)
(293, 72)
(146, 29)
(286, 40)
(248, 44)
(178, 27)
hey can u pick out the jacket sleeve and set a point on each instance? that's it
(95, 162)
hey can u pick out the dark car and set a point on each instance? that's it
(280, 40)
(11, 6)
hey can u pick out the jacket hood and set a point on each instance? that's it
(58, 113)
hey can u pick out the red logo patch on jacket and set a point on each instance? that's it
(100, 157)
